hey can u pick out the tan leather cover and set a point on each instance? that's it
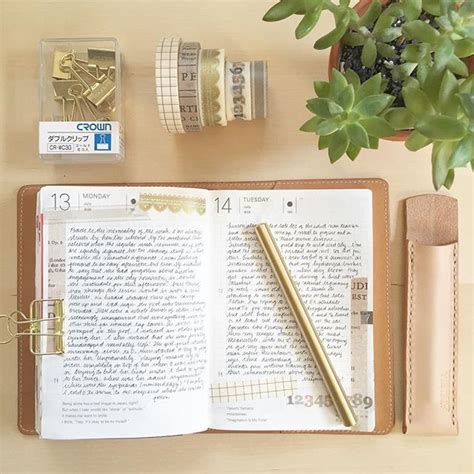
(384, 397)
(431, 349)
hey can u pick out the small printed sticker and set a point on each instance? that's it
(80, 137)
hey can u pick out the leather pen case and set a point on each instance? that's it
(431, 330)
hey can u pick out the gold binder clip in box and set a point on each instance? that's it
(46, 333)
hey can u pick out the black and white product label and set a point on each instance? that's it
(57, 138)
(238, 91)
(188, 86)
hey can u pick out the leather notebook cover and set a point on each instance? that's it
(383, 359)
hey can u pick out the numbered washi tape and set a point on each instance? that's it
(198, 88)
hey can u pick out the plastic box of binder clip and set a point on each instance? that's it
(80, 101)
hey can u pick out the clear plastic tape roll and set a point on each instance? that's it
(188, 81)
(212, 87)
(246, 90)
(167, 88)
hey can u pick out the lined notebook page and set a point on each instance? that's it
(262, 376)
(132, 265)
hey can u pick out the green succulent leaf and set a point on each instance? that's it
(417, 102)
(370, 87)
(420, 31)
(416, 141)
(321, 88)
(444, 52)
(432, 7)
(423, 70)
(449, 179)
(337, 83)
(467, 103)
(458, 67)
(353, 39)
(325, 108)
(402, 71)
(323, 141)
(335, 35)
(282, 10)
(338, 145)
(308, 22)
(369, 53)
(353, 78)
(394, 10)
(386, 50)
(371, 15)
(445, 5)
(439, 161)
(373, 142)
(463, 153)
(346, 97)
(466, 8)
(326, 127)
(353, 151)
(377, 127)
(412, 9)
(447, 92)
(400, 118)
(358, 135)
(441, 127)
(385, 20)
(465, 30)
(467, 85)
(464, 47)
(388, 34)
(311, 124)
(431, 83)
(414, 53)
(374, 104)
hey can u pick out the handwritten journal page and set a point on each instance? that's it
(262, 375)
(175, 322)
(133, 267)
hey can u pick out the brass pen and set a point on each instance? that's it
(310, 335)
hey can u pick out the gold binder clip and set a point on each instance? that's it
(35, 327)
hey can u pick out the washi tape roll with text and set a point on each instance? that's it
(198, 88)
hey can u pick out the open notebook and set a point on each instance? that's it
(175, 323)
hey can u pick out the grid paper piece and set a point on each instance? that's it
(252, 390)
(167, 92)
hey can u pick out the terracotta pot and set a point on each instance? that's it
(335, 53)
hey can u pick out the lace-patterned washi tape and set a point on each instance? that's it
(198, 88)
(212, 87)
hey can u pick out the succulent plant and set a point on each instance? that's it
(311, 11)
(435, 37)
(441, 112)
(374, 31)
(440, 43)
(348, 114)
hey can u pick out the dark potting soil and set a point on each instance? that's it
(351, 59)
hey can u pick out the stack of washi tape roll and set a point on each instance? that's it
(198, 88)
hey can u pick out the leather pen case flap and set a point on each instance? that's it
(431, 339)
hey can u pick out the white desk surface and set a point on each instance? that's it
(270, 149)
